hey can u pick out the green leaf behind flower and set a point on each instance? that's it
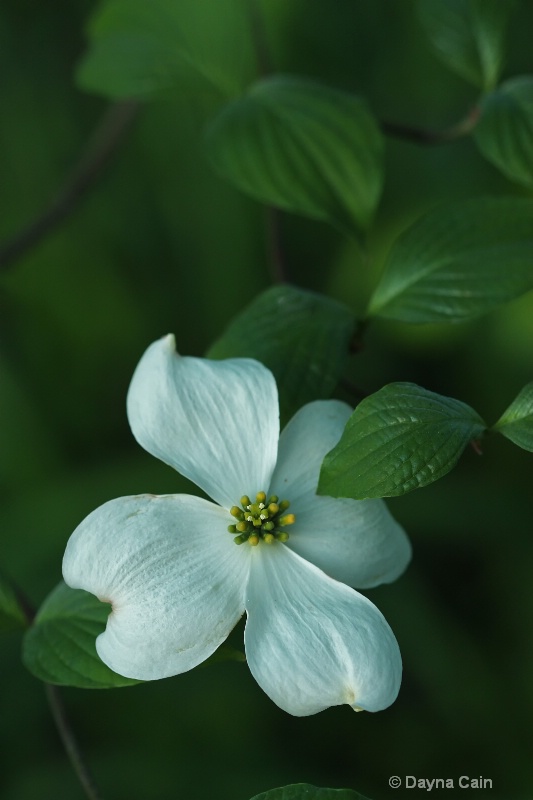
(504, 133)
(398, 439)
(516, 423)
(458, 261)
(304, 791)
(302, 337)
(468, 36)
(302, 147)
(12, 615)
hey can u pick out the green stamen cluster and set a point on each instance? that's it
(261, 521)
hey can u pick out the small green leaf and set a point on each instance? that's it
(516, 423)
(458, 261)
(468, 36)
(398, 439)
(60, 646)
(302, 147)
(139, 49)
(304, 791)
(302, 337)
(504, 133)
(12, 615)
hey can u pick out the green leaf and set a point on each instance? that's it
(304, 791)
(12, 615)
(302, 147)
(139, 49)
(504, 133)
(468, 36)
(302, 337)
(398, 439)
(516, 423)
(60, 646)
(458, 262)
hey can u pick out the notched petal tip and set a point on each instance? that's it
(170, 341)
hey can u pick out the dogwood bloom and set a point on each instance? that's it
(176, 581)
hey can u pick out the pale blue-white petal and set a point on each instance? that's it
(357, 542)
(216, 422)
(173, 576)
(312, 642)
(313, 431)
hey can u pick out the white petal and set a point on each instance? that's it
(173, 576)
(357, 542)
(312, 642)
(216, 422)
(313, 431)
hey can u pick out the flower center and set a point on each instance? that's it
(263, 520)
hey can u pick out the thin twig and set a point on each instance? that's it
(432, 137)
(276, 258)
(102, 145)
(70, 743)
(475, 444)
(53, 693)
(262, 52)
(275, 251)
(354, 391)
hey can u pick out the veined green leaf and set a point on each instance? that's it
(302, 337)
(139, 49)
(516, 422)
(504, 133)
(458, 261)
(12, 615)
(398, 439)
(304, 791)
(468, 36)
(302, 147)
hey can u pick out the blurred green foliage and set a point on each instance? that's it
(161, 244)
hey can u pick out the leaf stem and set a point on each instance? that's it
(424, 136)
(69, 742)
(101, 147)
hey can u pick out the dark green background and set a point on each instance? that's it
(162, 245)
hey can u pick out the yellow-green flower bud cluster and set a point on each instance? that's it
(263, 520)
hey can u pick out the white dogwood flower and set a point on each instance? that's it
(176, 581)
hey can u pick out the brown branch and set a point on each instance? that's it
(102, 146)
(53, 694)
(276, 257)
(431, 137)
(70, 743)
(262, 53)
(356, 393)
